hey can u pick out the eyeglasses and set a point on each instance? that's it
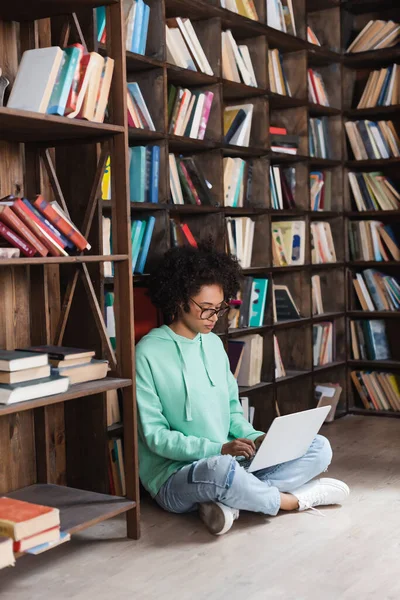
(208, 313)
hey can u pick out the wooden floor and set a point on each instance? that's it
(353, 553)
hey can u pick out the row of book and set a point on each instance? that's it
(316, 88)
(280, 15)
(141, 236)
(323, 347)
(236, 61)
(282, 141)
(320, 190)
(189, 112)
(278, 81)
(240, 238)
(372, 240)
(138, 113)
(184, 48)
(28, 528)
(319, 138)
(245, 8)
(237, 124)
(69, 82)
(317, 305)
(373, 140)
(369, 340)
(38, 371)
(376, 34)
(377, 291)
(373, 191)
(187, 182)
(382, 88)
(322, 244)
(37, 228)
(136, 22)
(377, 390)
(237, 182)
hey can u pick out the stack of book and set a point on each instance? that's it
(322, 245)
(281, 16)
(369, 140)
(288, 243)
(236, 61)
(245, 8)
(373, 191)
(181, 234)
(27, 376)
(251, 360)
(253, 297)
(238, 175)
(240, 238)
(116, 467)
(38, 228)
(237, 124)
(372, 240)
(382, 88)
(136, 18)
(183, 46)
(282, 187)
(312, 38)
(322, 344)
(278, 82)
(279, 367)
(319, 139)
(66, 82)
(377, 391)
(320, 190)
(109, 299)
(138, 113)
(188, 112)
(187, 182)
(144, 173)
(32, 528)
(376, 35)
(377, 291)
(316, 88)
(317, 302)
(369, 340)
(282, 142)
(284, 307)
(141, 235)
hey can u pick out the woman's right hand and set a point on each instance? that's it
(239, 447)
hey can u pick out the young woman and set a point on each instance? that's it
(191, 424)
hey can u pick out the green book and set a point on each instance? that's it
(110, 318)
(137, 174)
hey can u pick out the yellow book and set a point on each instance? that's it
(229, 117)
(106, 181)
(247, 9)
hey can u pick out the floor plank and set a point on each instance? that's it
(350, 554)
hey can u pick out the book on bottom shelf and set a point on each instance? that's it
(116, 467)
(188, 185)
(7, 558)
(369, 340)
(377, 291)
(284, 307)
(321, 190)
(377, 390)
(251, 364)
(328, 394)
(317, 301)
(279, 367)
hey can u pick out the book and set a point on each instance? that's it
(235, 355)
(12, 361)
(317, 93)
(284, 307)
(237, 124)
(19, 519)
(35, 80)
(103, 90)
(323, 344)
(328, 394)
(26, 212)
(241, 238)
(251, 365)
(65, 78)
(258, 297)
(43, 537)
(381, 88)
(15, 240)
(288, 243)
(319, 138)
(311, 37)
(320, 190)
(377, 291)
(7, 558)
(28, 390)
(59, 219)
(93, 370)
(371, 140)
(280, 16)
(282, 186)
(373, 338)
(140, 105)
(372, 240)
(110, 318)
(62, 538)
(11, 220)
(12, 377)
(279, 367)
(278, 81)
(144, 250)
(317, 301)
(322, 243)
(375, 35)
(373, 191)
(61, 352)
(378, 391)
(236, 61)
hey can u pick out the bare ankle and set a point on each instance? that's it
(289, 502)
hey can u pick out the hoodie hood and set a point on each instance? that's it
(165, 333)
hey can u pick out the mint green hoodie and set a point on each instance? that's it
(188, 403)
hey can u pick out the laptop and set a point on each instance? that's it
(288, 438)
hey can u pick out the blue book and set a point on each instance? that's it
(239, 184)
(137, 174)
(146, 245)
(65, 77)
(64, 537)
(145, 28)
(154, 174)
(101, 21)
(137, 238)
(258, 298)
(137, 27)
(385, 86)
(64, 242)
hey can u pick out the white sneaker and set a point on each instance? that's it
(321, 492)
(217, 517)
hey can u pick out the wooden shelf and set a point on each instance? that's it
(372, 164)
(278, 158)
(374, 413)
(232, 90)
(372, 58)
(62, 260)
(284, 41)
(316, 110)
(280, 101)
(191, 209)
(375, 214)
(184, 77)
(373, 314)
(79, 509)
(243, 390)
(328, 367)
(388, 365)
(115, 430)
(144, 135)
(327, 316)
(178, 143)
(365, 6)
(370, 264)
(375, 112)
(321, 56)
(323, 163)
(239, 331)
(26, 126)
(292, 375)
(80, 390)
(21, 10)
(292, 323)
(138, 62)
(243, 151)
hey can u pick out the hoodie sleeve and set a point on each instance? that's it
(239, 426)
(155, 428)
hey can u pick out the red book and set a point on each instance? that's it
(312, 79)
(188, 234)
(278, 130)
(61, 223)
(44, 537)
(16, 241)
(19, 519)
(37, 227)
(9, 218)
(73, 94)
(205, 115)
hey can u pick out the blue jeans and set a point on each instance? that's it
(221, 478)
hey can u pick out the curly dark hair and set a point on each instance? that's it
(184, 270)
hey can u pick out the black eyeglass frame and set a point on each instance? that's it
(220, 312)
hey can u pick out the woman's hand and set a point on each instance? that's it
(239, 447)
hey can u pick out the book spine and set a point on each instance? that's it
(48, 211)
(155, 174)
(34, 223)
(146, 245)
(10, 219)
(73, 94)
(188, 234)
(205, 115)
(186, 181)
(16, 241)
(57, 235)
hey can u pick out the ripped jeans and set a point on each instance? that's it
(221, 478)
